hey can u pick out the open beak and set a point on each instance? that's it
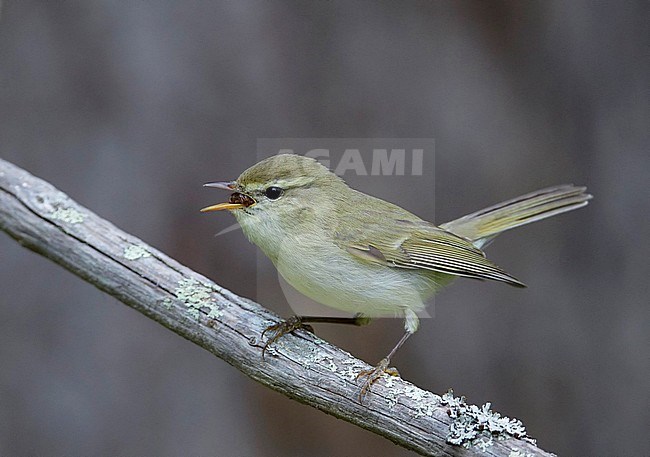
(225, 185)
(237, 200)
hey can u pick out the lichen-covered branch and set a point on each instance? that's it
(301, 365)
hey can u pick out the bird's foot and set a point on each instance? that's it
(371, 376)
(280, 329)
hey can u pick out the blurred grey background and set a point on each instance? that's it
(130, 106)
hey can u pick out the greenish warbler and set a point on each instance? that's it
(363, 255)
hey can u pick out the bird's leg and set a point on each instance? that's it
(371, 376)
(358, 320)
(411, 323)
(280, 329)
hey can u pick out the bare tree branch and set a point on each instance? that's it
(301, 366)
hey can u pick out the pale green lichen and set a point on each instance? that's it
(135, 252)
(193, 293)
(195, 313)
(69, 215)
(474, 426)
(196, 296)
(214, 312)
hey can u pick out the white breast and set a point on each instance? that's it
(335, 278)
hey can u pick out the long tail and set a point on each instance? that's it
(482, 226)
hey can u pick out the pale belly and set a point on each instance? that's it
(348, 284)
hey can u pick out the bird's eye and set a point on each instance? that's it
(273, 193)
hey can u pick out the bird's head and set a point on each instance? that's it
(282, 192)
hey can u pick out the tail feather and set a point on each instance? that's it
(482, 226)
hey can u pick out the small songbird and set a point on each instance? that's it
(364, 255)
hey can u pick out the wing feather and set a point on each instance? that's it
(431, 248)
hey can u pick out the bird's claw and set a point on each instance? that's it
(280, 329)
(371, 376)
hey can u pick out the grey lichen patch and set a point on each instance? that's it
(70, 215)
(483, 442)
(474, 426)
(135, 252)
(352, 368)
(317, 357)
(196, 296)
(425, 402)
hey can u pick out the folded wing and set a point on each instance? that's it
(424, 246)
